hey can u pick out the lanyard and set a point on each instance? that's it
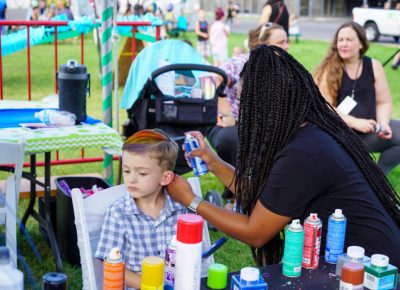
(356, 78)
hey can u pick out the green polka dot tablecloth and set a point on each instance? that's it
(65, 138)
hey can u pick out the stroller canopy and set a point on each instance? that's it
(148, 60)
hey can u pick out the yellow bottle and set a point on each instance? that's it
(152, 273)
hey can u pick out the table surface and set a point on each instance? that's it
(64, 138)
(321, 278)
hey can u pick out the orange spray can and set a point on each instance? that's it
(114, 271)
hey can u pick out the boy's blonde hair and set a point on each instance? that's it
(157, 144)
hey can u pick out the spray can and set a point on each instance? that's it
(152, 273)
(312, 241)
(114, 271)
(335, 236)
(188, 252)
(293, 249)
(170, 255)
(199, 166)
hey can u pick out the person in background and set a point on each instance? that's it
(143, 222)
(219, 34)
(232, 13)
(237, 50)
(356, 86)
(224, 136)
(202, 32)
(296, 157)
(64, 9)
(275, 11)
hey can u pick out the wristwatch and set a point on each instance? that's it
(195, 204)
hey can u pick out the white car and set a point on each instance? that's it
(378, 22)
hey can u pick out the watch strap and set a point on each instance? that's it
(195, 204)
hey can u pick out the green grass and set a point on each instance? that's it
(234, 254)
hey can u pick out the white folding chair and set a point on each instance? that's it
(89, 216)
(10, 154)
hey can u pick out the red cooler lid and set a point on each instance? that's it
(190, 229)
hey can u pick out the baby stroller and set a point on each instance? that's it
(178, 98)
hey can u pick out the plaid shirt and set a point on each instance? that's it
(136, 234)
(233, 67)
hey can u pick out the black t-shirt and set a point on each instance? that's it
(314, 174)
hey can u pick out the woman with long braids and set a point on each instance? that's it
(356, 86)
(296, 157)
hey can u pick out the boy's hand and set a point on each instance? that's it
(181, 191)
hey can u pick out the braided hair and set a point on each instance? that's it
(278, 96)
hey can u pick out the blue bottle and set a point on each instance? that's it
(199, 166)
(335, 236)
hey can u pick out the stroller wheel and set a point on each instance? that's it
(213, 197)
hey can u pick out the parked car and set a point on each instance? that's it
(378, 22)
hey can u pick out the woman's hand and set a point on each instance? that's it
(364, 125)
(204, 152)
(181, 191)
(385, 132)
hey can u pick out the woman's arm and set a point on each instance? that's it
(132, 279)
(265, 14)
(224, 171)
(255, 230)
(384, 105)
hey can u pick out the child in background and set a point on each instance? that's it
(219, 33)
(237, 50)
(202, 32)
(143, 222)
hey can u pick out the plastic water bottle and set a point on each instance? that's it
(56, 118)
(10, 277)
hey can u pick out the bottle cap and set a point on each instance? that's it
(313, 216)
(217, 276)
(338, 213)
(54, 280)
(190, 229)
(188, 135)
(379, 260)
(353, 273)
(249, 275)
(295, 224)
(114, 256)
(152, 273)
(355, 252)
(4, 255)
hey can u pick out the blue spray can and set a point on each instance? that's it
(293, 249)
(335, 236)
(199, 166)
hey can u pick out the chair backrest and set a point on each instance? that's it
(11, 154)
(89, 216)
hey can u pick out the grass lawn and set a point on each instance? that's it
(234, 254)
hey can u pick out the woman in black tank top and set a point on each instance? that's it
(356, 86)
(275, 11)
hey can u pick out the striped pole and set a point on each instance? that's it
(106, 78)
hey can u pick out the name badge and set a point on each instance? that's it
(347, 105)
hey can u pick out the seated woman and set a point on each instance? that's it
(223, 137)
(356, 86)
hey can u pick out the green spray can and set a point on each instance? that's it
(293, 249)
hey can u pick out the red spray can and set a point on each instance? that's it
(312, 241)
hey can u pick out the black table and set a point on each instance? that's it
(322, 278)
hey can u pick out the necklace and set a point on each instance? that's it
(355, 80)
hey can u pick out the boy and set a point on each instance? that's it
(143, 222)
